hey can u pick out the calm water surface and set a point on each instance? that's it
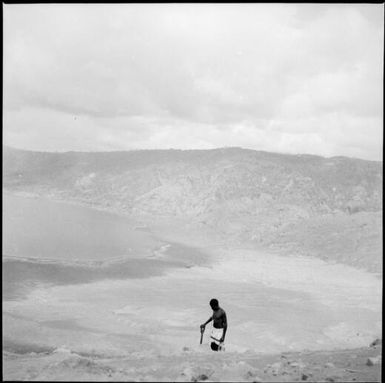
(82, 245)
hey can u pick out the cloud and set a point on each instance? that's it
(279, 75)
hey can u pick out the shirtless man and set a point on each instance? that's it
(220, 323)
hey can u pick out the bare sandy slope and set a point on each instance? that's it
(275, 304)
(198, 365)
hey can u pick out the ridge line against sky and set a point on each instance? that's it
(285, 78)
(176, 149)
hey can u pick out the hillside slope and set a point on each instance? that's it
(327, 207)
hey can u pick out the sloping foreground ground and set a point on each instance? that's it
(198, 365)
(274, 304)
(148, 329)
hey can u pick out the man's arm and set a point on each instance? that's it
(208, 321)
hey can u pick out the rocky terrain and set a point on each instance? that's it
(360, 365)
(325, 207)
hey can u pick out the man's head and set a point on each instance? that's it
(214, 304)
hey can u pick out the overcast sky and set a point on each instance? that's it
(276, 77)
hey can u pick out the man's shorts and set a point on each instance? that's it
(216, 335)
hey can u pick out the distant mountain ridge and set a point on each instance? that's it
(280, 200)
(198, 181)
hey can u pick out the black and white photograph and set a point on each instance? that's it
(192, 192)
